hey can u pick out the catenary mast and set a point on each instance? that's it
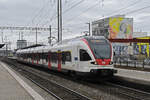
(59, 15)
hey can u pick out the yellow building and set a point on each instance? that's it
(147, 45)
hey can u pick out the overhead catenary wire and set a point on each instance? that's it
(89, 8)
(54, 15)
(38, 12)
(133, 4)
(112, 12)
(137, 10)
(126, 7)
(50, 10)
(73, 6)
(65, 11)
(93, 6)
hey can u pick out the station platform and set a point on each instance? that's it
(142, 77)
(12, 87)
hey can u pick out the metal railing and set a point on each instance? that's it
(123, 61)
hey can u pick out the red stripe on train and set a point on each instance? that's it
(49, 60)
(99, 61)
(103, 61)
(85, 41)
(37, 59)
(59, 61)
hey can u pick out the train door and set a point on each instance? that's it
(84, 59)
(59, 60)
(76, 58)
(49, 60)
(42, 57)
(37, 58)
(33, 58)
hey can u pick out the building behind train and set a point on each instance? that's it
(115, 27)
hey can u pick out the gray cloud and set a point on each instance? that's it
(21, 13)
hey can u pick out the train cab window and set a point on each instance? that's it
(68, 56)
(84, 56)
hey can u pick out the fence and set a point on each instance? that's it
(123, 61)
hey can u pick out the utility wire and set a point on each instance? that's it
(41, 10)
(137, 10)
(93, 6)
(123, 8)
(73, 6)
(53, 12)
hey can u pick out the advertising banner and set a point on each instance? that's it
(120, 28)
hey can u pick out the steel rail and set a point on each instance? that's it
(130, 89)
(125, 89)
(72, 92)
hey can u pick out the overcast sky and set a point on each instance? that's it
(76, 13)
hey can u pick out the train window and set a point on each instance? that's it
(30, 55)
(46, 56)
(66, 56)
(63, 58)
(84, 56)
(38, 56)
(33, 56)
(97, 41)
(24, 56)
(41, 55)
(54, 57)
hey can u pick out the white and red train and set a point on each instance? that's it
(85, 55)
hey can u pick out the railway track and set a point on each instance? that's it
(110, 88)
(121, 91)
(58, 91)
(131, 93)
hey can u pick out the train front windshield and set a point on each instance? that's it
(101, 48)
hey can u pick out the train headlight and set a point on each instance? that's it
(111, 63)
(95, 63)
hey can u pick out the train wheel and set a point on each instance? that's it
(73, 74)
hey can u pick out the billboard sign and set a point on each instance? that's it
(120, 28)
(113, 28)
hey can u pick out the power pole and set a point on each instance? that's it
(6, 43)
(36, 35)
(89, 28)
(59, 15)
(21, 35)
(50, 34)
(2, 37)
(60, 20)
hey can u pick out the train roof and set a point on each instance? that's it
(1, 45)
(60, 44)
(79, 38)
